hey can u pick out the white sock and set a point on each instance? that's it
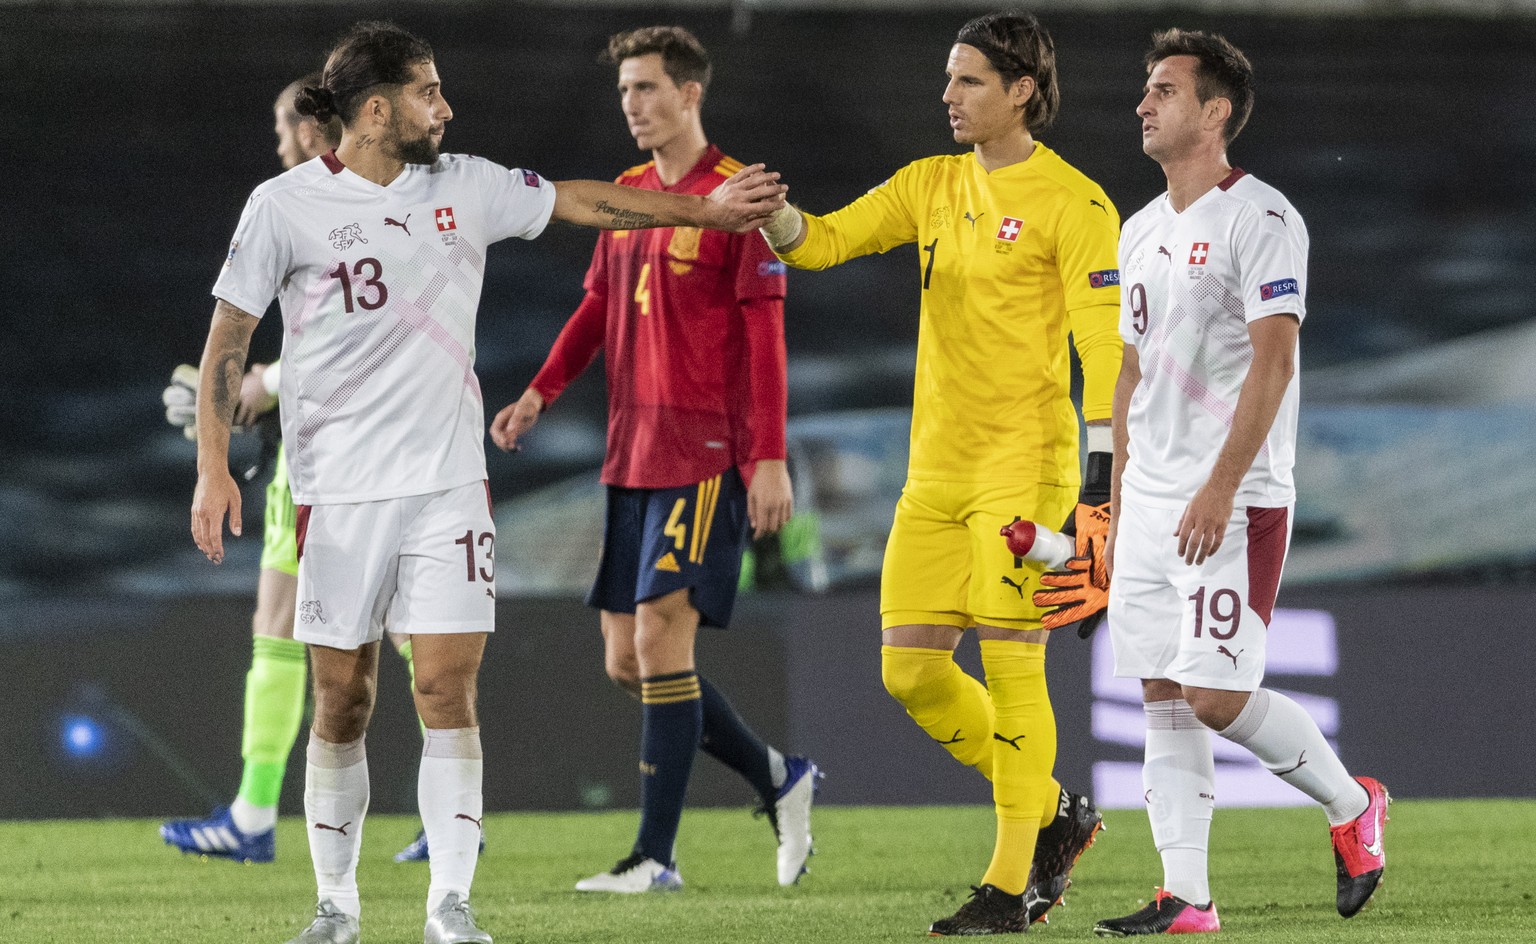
(252, 819)
(776, 767)
(1288, 742)
(335, 801)
(449, 794)
(1179, 776)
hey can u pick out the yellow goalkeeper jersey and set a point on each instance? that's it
(1010, 264)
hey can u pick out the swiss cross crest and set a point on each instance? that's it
(1008, 230)
(1198, 252)
(444, 217)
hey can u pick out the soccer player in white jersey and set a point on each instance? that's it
(376, 253)
(1213, 293)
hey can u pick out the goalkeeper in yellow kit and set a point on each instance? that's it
(1016, 251)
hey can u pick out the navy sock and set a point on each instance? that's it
(728, 739)
(669, 738)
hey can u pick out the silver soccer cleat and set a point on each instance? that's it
(331, 926)
(453, 923)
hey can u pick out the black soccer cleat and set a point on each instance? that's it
(1057, 849)
(1165, 914)
(990, 910)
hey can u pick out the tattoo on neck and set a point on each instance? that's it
(626, 219)
(364, 142)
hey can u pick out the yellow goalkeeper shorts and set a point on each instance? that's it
(947, 564)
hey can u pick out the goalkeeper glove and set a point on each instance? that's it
(1079, 594)
(1088, 521)
(180, 400)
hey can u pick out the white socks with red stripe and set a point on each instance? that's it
(335, 800)
(448, 791)
(1179, 776)
(1289, 743)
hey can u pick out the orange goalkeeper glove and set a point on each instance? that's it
(1079, 594)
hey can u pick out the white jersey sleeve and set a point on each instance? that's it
(1272, 260)
(259, 255)
(518, 202)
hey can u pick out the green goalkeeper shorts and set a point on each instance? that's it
(279, 544)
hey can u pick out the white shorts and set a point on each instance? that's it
(1203, 625)
(421, 564)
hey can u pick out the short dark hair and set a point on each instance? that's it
(1221, 70)
(682, 55)
(1017, 45)
(372, 53)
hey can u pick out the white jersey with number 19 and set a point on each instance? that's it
(1190, 284)
(378, 288)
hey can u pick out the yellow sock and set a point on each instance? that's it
(1024, 751)
(952, 707)
(1052, 802)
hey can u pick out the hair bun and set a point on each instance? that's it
(317, 103)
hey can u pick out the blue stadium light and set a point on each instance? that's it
(83, 737)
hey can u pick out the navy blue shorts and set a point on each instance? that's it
(657, 540)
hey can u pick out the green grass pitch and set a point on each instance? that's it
(1458, 871)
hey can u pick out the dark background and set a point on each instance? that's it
(135, 134)
(1406, 142)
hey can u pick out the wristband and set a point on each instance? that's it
(783, 227)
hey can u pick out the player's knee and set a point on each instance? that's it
(1216, 709)
(624, 671)
(909, 674)
(275, 623)
(445, 700)
(342, 712)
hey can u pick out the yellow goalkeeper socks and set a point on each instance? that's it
(952, 707)
(1024, 751)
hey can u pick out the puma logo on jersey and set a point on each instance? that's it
(1095, 203)
(468, 817)
(1164, 251)
(490, 593)
(1279, 216)
(1012, 742)
(972, 219)
(342, 237)
(1017, 586)
(1230, 654)
(335, 829)
(388, 221)
(954, 740)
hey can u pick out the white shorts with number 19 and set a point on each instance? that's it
(420, 564)
(1204, 625)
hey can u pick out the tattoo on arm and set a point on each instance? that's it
(622, 218)
(228, 343)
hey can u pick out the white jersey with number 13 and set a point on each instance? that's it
(378, 288)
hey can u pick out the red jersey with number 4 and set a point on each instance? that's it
(693, 326)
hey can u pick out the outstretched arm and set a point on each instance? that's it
(223, 366)
(740, 204)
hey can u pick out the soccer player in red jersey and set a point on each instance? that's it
(692, 322)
